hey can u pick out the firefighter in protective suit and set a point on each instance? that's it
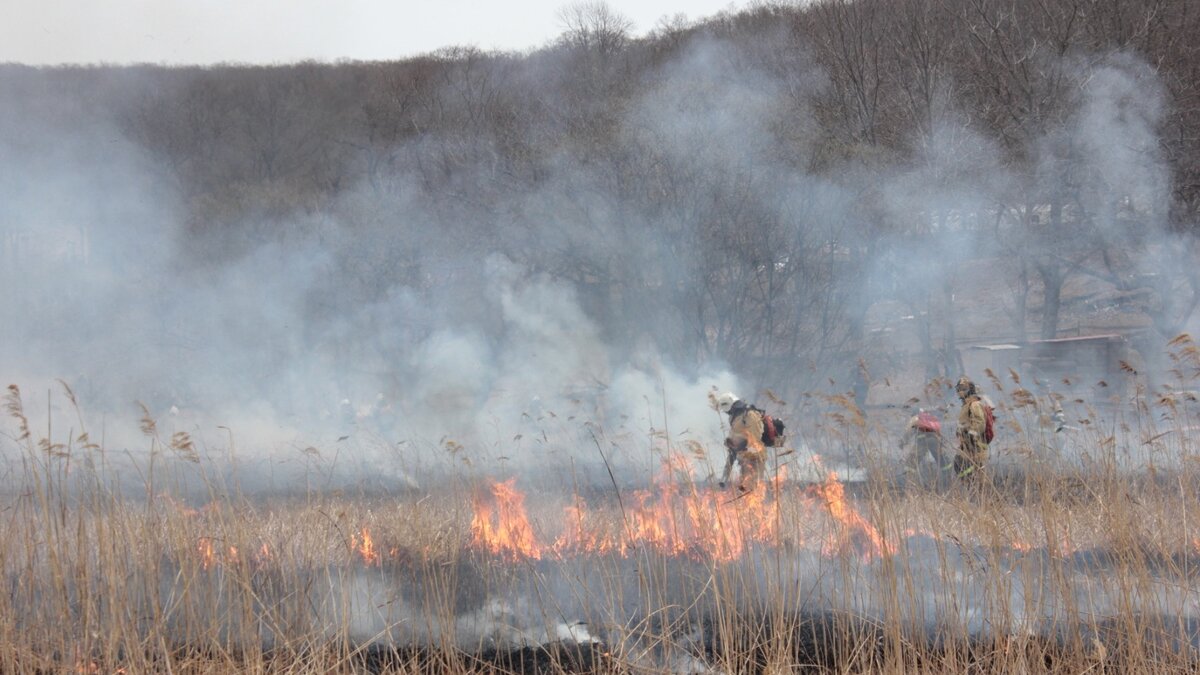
(972, 425)
(744, 443)
(922, 439)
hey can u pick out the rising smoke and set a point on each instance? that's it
(424, 347)
(551, 329)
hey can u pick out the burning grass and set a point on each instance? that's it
(1058, 569)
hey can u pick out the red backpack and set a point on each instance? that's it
(989, 418)
(772, 430)
(927, 421)
(773, 427)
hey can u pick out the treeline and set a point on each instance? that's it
(743, 188)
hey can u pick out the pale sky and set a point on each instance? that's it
(39, 32)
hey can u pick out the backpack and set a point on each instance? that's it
(772, 427)
(989, 418)
(927, 421)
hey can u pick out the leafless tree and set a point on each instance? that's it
(594, 25)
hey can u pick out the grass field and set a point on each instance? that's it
(1053, 564)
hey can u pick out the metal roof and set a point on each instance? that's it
(1080, 338)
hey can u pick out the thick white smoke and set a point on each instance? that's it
(367, 324)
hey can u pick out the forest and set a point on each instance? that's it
(754, 188)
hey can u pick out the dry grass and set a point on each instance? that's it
(1050, 566)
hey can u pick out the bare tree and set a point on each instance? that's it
(850, 35)
(594, 25)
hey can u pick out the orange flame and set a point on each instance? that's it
(365, 546)
(668, 520)
(583, 533)
(675, 518)
(854, 526)
(510, 535)
(207, 556)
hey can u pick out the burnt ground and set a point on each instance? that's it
(828, 642)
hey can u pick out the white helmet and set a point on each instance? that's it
(725, 401)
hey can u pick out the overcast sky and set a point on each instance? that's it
(268, 31)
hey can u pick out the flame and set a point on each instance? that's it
(670, 520)
(207, 557)
(510, 535)
(676, 517)
(365, 546)
(210, 557)
(583, 532)
(854, 526)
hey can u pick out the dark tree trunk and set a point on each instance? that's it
(1052, 283)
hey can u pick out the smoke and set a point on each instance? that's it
(269, 349)
(568, 331)
(1117, 132)
(427, 336)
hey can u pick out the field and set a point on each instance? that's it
(1052, 564)
(326, 362)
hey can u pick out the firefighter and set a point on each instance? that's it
(972, 432)
(923, 438)
(744, 443)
